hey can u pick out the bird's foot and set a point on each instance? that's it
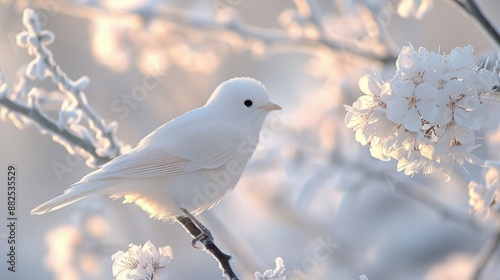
(200, 237)
(205, 233)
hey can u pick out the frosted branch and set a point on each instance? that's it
(78, 127)
(48, 126)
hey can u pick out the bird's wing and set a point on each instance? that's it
(175, 148)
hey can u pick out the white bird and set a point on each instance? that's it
(187, 165)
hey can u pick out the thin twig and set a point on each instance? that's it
(473, 9)
(64, 83)
(209, 247)
(47, 125)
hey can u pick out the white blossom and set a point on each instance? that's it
(427, 114)
(482, 196)
(142, 262)
(408, 104)
(273, 274)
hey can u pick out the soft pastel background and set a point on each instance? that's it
(309, 183)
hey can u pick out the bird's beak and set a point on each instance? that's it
(270, 106)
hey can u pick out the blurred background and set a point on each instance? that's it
(309, 188)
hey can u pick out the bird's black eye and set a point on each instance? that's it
(248, 103)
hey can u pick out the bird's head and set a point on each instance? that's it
(243, 100)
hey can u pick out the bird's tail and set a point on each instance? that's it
(77, 192)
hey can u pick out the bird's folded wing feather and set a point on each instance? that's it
(174, 149)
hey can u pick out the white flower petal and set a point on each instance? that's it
(460, 57)
(487, 80)
(405, 59)
(397, 108)
(366, 102)
(166, 251)
(161, 274)
(363, 137)
(379, 152)
(453, 89)
(464, 136)
(445, 116)
(469, 102)
(442, 99)
(433, 74)
(412, 120)
(428, 110)
(149, 250)
(425, 91)
(428, 152)
(462, 117)
(369, 85)
(403, 88)
(465, 74)
(379, 125)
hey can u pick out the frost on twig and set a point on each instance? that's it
(273, 274)
(77, 127)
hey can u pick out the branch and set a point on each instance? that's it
(78, 125)
(210, 248)
(486, 254)
(473, 9)
(68, 130)
(46, 125)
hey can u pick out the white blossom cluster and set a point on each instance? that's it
(483, 196)
(426, 116)
(142, 262)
